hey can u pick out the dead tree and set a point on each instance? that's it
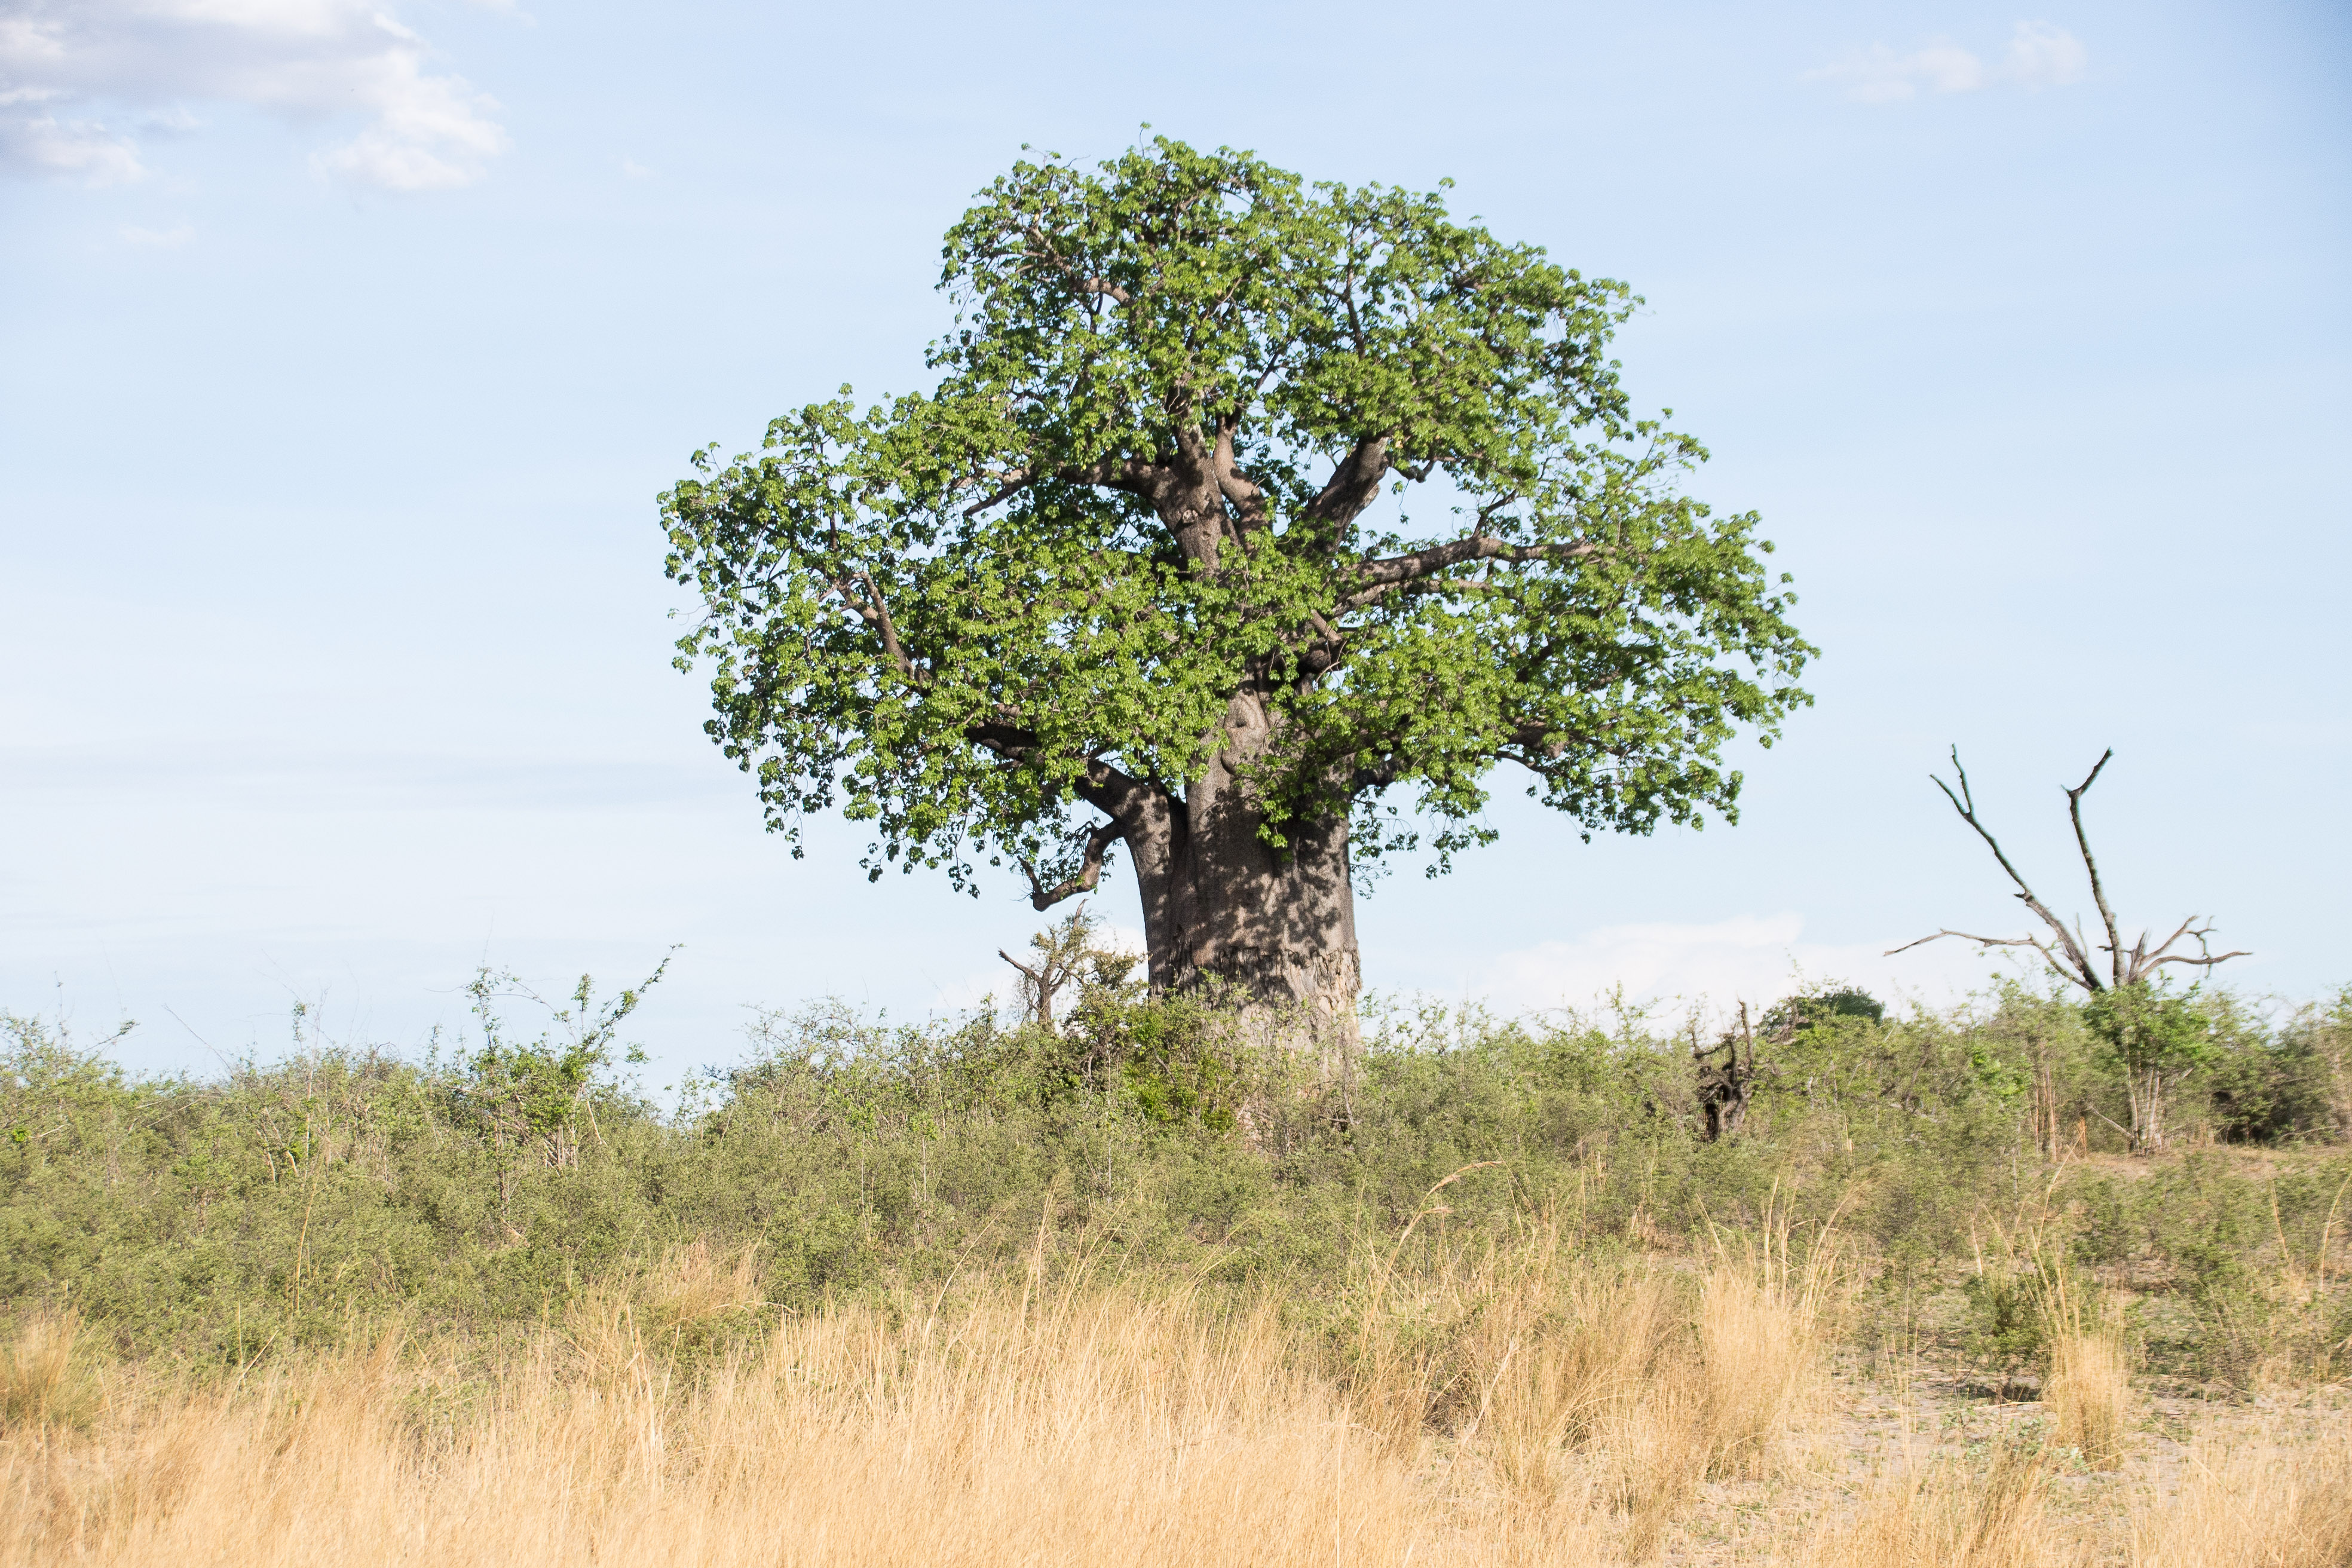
(2111, 987)
(1724, 1091)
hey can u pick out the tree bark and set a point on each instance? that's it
(1272, 930)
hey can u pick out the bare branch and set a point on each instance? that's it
(2098, 892)
(2032, 942)
(1089, 871)
(2073, 960)
(2144, 963)
(2139, 949)
(1236, 487)
(1105, 286)
(1131, 473)
(2203, 962)
(1354, 485)
(2077, 967)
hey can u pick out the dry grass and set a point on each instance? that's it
(2262, 1508)
(1941, 1516)
(1100, 1429)
(1524, 1405)
(36, 1384)
(1617, 1388)
(2089, 1390)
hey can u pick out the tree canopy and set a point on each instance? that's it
(1201, 430)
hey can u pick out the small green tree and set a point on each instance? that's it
(1066, 951)
(1140, 570)
(2151, 1037)
(533, 1097)
(2149, 1034)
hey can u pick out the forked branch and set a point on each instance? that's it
(2069, 955)
(1089, 873)
(2083, 842)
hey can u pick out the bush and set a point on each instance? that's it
(504, 1178)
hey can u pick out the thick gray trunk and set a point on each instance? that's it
(1224, 911)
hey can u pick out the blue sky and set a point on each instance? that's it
(344, 348)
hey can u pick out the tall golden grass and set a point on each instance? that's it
(1941, 1516)
(1094, 1429)
(2265, 1506)
(36, 1369)
(2089, 1388)
(1511, 1405)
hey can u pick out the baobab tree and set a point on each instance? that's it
(2152, 1036)
(1249, 526)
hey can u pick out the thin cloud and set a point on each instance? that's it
(160, 238)
(2042, 56)
(34, 140)
(67, 67)
(1751, 958)
(2039, 55)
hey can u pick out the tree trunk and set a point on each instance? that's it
(1224, 911)
(2146, 1091)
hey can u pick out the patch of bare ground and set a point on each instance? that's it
(1915, 1441)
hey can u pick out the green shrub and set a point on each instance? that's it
(498, 1179)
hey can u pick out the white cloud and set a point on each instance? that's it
(2042, 56)
(1749, 958)
(2039, 55)
(309, 61)
(34, 142)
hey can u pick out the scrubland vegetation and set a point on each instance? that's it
(1130, 1291)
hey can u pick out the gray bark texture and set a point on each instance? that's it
(1271, 930)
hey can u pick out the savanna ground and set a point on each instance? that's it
(1130, 1292)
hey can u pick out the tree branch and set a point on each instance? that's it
(1535, 746)
(1046, 251)
(2032, 942)
(897, 656)
(1381, 577)
(1354, 485)
(2144, 963)
(1089, 871)
(1237, 488)
(2098, 893)
(1014, 483)
(2072, 959)
(1130, 474)
(2204, 963)
(2081, 973)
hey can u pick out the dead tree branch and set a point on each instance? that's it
(2070, 957)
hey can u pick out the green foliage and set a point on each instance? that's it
(1815, 1008)
(1173, 387)
(2005, 1321)
(2150, 1028)
(2275, 1087)
(279, 1204)
(538, 1094)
